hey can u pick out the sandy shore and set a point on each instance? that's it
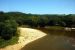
(27, 35)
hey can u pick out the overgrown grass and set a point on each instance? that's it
(12, 41)
(4, 43)
(55, 27)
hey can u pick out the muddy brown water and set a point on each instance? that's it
(54, 40)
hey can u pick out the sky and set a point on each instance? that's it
(39, 6)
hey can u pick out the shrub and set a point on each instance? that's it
(9, 29)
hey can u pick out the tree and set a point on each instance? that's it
(68, 20)
(9, 29)
(8, 26)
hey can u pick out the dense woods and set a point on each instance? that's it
(37, 20)
(8, 26)
(9, 21)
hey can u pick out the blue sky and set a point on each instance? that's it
(39, 6)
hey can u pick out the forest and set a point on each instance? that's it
(9, 21)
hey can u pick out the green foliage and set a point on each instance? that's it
(35, 20)
(8, 27)
(8, 20)
(4, 43)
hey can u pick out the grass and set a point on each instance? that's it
(55, 27)
(12, 41)
(4, 43)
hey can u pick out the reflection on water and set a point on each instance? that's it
(52, 42)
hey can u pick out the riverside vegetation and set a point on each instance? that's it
(10, 21)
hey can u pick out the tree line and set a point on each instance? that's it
(35, 20)
(9, 21)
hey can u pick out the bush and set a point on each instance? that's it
(9, 29)
(8, 26)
